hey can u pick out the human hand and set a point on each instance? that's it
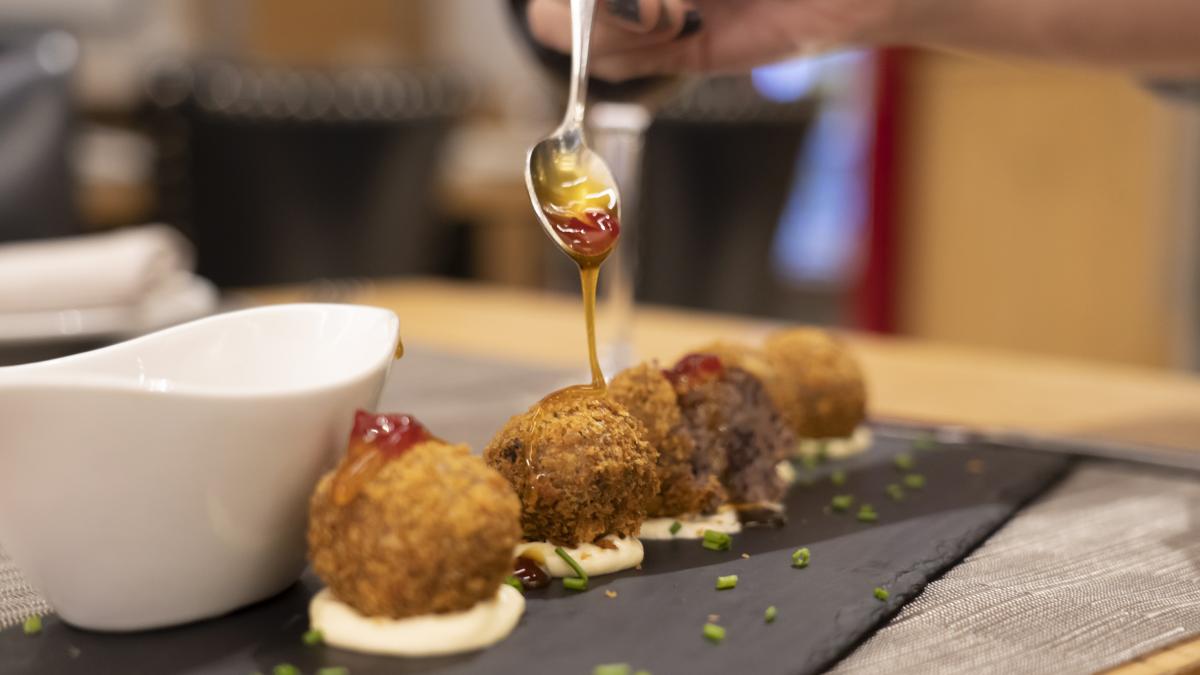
(635, 38)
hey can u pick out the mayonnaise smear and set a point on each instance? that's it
(595, 560)
(487, 623)
(836, 448)
(692, 526)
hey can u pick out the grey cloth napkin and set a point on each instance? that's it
(17, 600)
(1103, 568)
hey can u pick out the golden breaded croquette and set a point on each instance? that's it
(432, 531)
(581, 467)
(817, 384)
(650, 397)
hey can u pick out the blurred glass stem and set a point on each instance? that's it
(617, 132)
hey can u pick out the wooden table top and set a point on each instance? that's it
(907, 379)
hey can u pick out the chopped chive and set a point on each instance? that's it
(838, 477)
(611, 669)
(571, 561)
(515, 583)
(800, 558)
(770, 614)
(714, 633)
(285, 669)
(333, 670)
(881, 593)
(895, 491)
(312, 638)
(676, 527)
(842, 502)
(867, 514)
(809, 461)
(823, 451)
(33, 625)
(727, 582)
(642, 672)
(575, 584)
(904, 461)
(915, 481)
(717, 541)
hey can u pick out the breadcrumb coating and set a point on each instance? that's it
(581, 467)
(817, 383)
(685, 486)
(432, 532)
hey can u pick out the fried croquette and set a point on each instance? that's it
(686, 486)
(739, 433)
(817, 383)
(581, 467)
(431, 532)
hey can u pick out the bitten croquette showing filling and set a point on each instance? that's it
(690, 484)
(738, 432)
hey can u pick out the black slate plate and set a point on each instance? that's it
(655, 621)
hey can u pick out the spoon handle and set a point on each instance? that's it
(582, 12)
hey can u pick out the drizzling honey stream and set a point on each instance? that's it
(582, 217)
(582, 213)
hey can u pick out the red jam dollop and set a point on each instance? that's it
(375, 439)
(694, 368)
(590, 234)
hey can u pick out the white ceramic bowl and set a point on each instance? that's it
(166, 479)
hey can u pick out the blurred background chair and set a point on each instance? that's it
(717, 173)
(37, 113)
(283, 174)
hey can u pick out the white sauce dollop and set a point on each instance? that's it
(595, 560)
(786, 472)
(485, 624)
(693, 526)
(836, 448)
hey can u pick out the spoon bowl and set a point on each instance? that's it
(563, 175)
(166, 479)
(565, 179)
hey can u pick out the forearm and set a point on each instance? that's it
(1159, 37)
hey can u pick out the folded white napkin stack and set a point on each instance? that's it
(116, 269)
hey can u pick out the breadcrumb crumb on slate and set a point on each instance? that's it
(581, 467)
(432, 532)
(817, 383)
(687, 486)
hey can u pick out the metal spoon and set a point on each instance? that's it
(563, 160)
